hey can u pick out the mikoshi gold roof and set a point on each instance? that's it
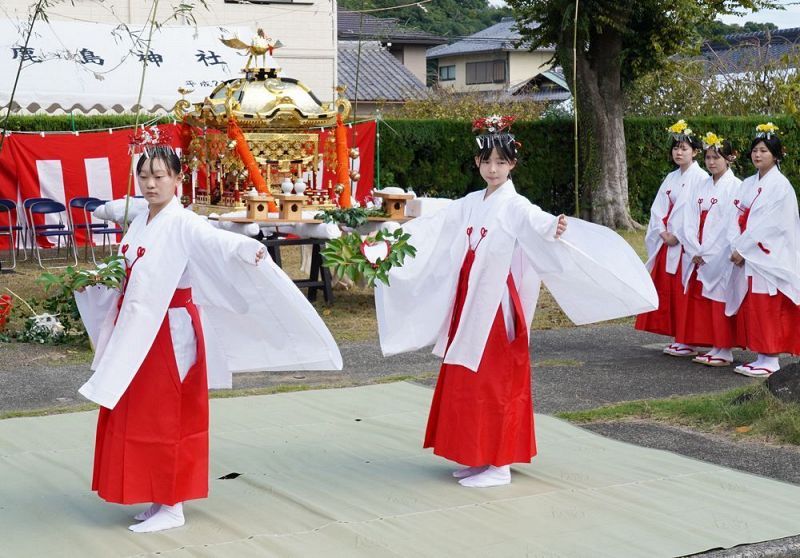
(263, 101)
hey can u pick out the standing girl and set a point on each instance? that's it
(664, 250)
(765, 280)
(153, 362)
(703, 233)
(471, 291)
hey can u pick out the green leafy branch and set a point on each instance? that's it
(351, 217)
(110, 272)
(344, 258)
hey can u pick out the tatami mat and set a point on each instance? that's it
(341, 473)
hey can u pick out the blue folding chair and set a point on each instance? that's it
(108, 231)
(81, 223)
(52, 233)
(30, 224)
(11, 228)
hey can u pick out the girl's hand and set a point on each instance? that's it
(698, 260)
(561, 226)
(669, 238)
(261, 254)
(737, 258)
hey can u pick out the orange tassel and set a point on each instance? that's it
(342, 162)
(243, 150)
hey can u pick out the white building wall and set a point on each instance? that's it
(525, 65)
(520, 66)
(307, 30)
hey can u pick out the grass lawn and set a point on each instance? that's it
(352, 315)
(746, 412)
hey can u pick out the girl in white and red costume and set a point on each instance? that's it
(764, 286)
(664, 249)
(198, 303)
(703, 233)
(471, 291)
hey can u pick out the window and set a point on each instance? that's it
(447, 73)
(492, 71)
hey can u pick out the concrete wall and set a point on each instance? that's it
(307, 31)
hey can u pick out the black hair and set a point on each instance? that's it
(726, 151)
(504, 142)
(693, 142)
(164, 154)
(773, 143)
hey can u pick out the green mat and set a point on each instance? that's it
(341, 473)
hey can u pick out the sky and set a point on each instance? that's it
(784, 19)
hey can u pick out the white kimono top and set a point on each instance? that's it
(254, 318)
(591, 271)
(771, 243)
(717, 200)
(669, 202)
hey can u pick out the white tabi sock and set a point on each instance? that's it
(148, 513)
(167, 517)
(725, 354)
(768, 362)
(469, 471)
(493, 476)
(682, 346)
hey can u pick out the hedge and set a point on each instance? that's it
(435, 157)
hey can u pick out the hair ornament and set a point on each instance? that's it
(712, 140)
(680, 131)
(146, 140)
(493, 124)
(766, 130)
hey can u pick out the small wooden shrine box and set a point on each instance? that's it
(291, 206)
(257, 208)
(394, 204)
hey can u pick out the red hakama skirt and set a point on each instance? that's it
(768, 324)
(485, 417)
(153, 445)
(703, 320)
(671, 304)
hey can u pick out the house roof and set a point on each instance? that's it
(381, 76)
(741, 52)
(350, 27)
(549, 85)
(499, 37)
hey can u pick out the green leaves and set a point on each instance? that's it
(351, 217)
(344, 258)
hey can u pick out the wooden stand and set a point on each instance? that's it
(394, 204)
(291, 205)
(258, 208)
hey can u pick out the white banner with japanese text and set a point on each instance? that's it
(80, 66)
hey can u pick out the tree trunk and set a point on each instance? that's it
(600, 103)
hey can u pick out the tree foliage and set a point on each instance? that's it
(758, 84)
(651, 30)
(448, 18)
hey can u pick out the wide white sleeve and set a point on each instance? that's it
(258, 319)
(770, 244)
(591, 271)
(414, 307)
(686, 224)
(95, 303)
